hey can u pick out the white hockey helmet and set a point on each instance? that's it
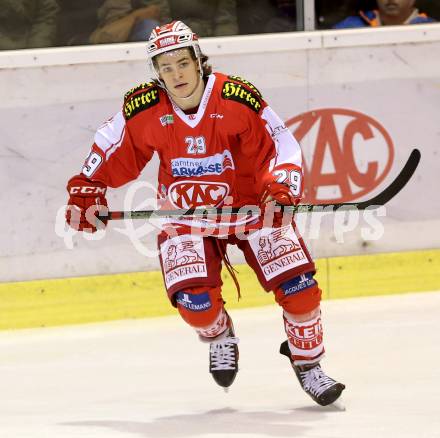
(172, 36)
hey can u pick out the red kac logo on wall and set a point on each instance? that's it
(347, 153)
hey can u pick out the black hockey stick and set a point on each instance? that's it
(381, 199)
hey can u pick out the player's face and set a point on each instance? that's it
(396, 7)
(179, 72)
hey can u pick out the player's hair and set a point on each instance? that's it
(206, 68)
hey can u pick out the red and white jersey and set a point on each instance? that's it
(223, 150)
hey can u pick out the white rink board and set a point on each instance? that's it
(53, 100)
(122, 379)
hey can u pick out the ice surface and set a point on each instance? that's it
(149, 378)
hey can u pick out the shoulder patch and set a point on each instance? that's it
(242, 94)
(141, 86)
(140, 98)
(247, 83)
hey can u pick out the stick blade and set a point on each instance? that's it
(397, 185)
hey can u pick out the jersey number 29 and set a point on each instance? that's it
(195, 145)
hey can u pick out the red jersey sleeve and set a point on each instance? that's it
(119, 152)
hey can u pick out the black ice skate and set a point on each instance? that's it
(323, 389)
(223, 358)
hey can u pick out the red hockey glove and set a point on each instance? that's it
(87, 199)
(284, 185)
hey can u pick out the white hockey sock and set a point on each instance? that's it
(304, 339)
(215, 329)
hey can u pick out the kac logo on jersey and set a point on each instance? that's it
(193, 194)
(212, 165)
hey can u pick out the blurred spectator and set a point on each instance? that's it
(76, 21)
(430, 7)
(27, 23)
(389, 12)
(284, 19)
(128, 20)
(329, 13)
(263, 16)
(207, 18)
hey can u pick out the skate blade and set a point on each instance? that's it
(339, 405)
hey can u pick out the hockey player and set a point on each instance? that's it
(218, 142)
